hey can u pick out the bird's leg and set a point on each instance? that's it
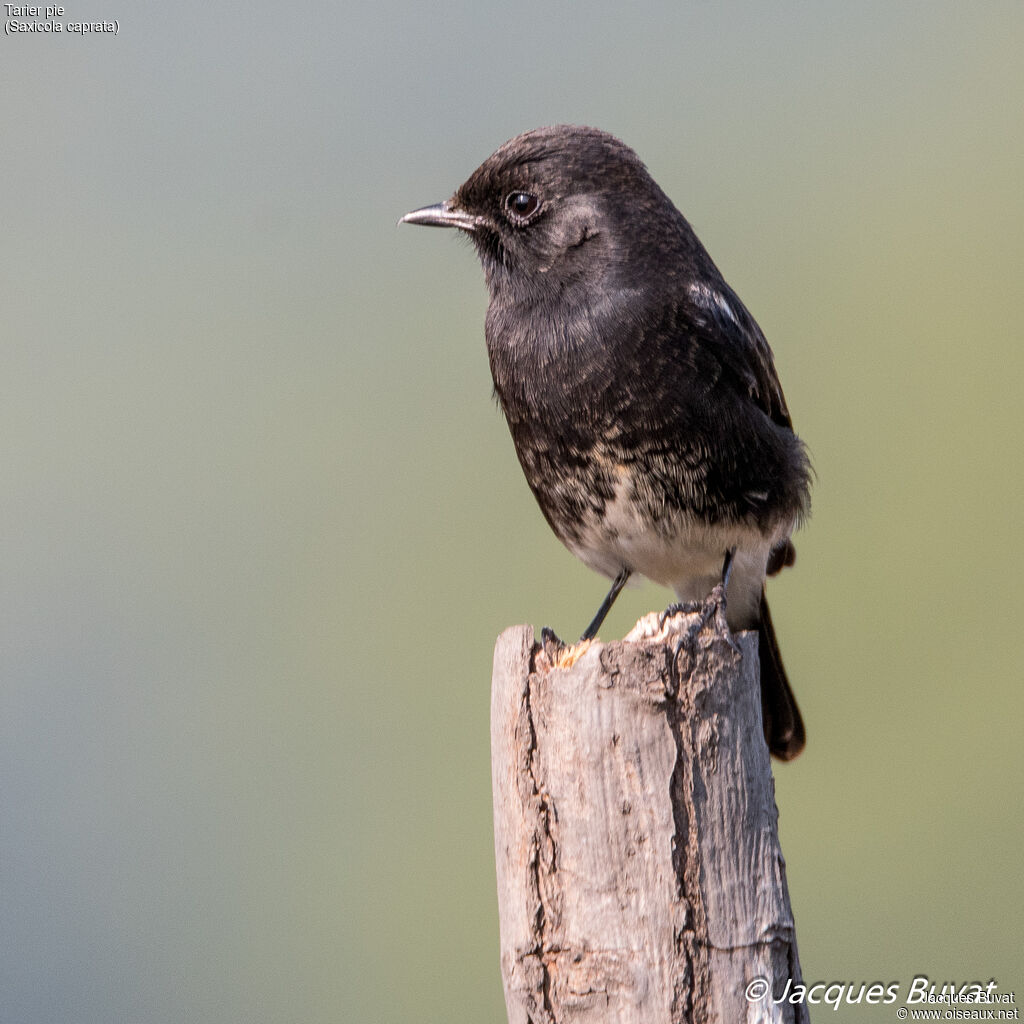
(718, 592)
(717, 595)
(606, 605)
(727, 568)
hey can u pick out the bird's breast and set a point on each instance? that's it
(618, 446)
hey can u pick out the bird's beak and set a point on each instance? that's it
(442, 215)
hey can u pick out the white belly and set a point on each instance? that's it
(684, 555)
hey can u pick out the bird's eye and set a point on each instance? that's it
(521, 206)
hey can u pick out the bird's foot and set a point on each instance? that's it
(713, 611)
(677, 608)
(556, 654)
(715, 608)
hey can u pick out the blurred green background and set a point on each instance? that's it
(261, 521)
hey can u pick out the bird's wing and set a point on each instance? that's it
(722, 324)
(724, 350)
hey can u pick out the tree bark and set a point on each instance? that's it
(639, 872)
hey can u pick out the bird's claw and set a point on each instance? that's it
(676, 608)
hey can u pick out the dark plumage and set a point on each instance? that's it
(641, 395)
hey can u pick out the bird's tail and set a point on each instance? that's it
(783, 726)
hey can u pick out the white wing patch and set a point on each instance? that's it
(712, 301)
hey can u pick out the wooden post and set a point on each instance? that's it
(640, 879)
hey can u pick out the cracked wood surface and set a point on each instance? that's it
(639, 872)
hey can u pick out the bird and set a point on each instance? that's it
(641, 395)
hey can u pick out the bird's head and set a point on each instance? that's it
(556, 207)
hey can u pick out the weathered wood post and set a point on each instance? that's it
(640, 879)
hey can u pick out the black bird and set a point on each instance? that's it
(641, 395)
